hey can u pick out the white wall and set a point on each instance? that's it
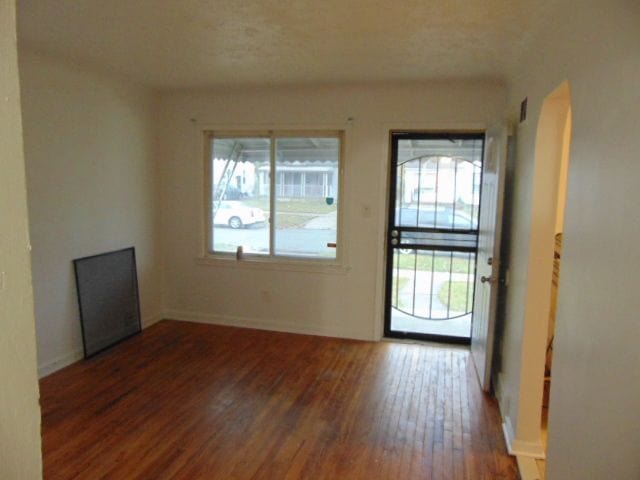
(91, 180)
(595, 393)
(20, 457)
(346, 303)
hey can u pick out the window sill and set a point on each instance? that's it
(274, 264)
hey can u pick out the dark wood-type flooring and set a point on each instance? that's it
(190, 401)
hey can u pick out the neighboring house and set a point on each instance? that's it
(448, 181)
(315, 179)
(451, 179)
(305, 167)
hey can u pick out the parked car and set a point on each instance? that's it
(427, 218)
(236, 215)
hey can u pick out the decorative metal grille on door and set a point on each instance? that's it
(433, 231)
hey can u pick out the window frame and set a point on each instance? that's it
(292, 262)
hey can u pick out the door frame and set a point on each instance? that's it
(387, 271)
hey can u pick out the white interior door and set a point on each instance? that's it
(488, 266)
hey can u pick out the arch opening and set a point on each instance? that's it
(551, 171)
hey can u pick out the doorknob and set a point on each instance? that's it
(484, 279)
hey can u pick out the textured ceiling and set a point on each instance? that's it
(213, 43)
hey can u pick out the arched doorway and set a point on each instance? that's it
(552, 152)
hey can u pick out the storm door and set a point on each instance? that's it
(432, 235)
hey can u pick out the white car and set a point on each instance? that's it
(236, 215)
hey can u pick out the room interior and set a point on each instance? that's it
(106, 105)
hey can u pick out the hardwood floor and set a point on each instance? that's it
(190, 401)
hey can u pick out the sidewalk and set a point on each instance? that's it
(326, 221)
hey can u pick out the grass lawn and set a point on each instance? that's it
(292, 213)
(441, 263)
(461, 296)
(292, 205)
(401, 283)
(284, 220)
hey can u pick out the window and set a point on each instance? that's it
(274, 195)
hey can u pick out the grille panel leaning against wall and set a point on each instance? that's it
(108, 299)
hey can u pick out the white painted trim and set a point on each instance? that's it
(507, 430)
(47, 368)
(520, 448)
(339, 331)
(528, 468)
(343, 131)
(281, 264)
(528, 449)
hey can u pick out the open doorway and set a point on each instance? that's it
(556, 113)
(550, 185)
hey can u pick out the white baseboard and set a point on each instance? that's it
(528, 468)
(48, 367)
(526, 453)
(518, 447)
(267, 324)
(507, 430)
(528, 449)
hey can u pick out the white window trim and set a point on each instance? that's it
(273, 263)
(337, 265)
